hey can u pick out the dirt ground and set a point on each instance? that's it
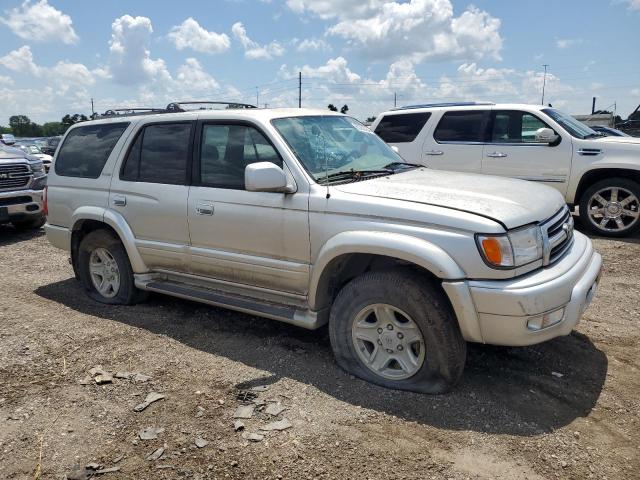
(569, 408)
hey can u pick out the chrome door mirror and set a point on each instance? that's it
(546, 135)
(266, 177)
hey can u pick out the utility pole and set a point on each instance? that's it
(93, 112)
(544, 81)
(395, 99)
(593, 106)
(299, 89)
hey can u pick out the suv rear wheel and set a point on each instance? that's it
(394, 328)
(105, 270)
(611, 207)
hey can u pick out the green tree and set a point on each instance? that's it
(371, 119)
(69, 120)
(344, 109)
(332, 107)
(51, 129)
(20, 125)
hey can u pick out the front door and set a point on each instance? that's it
(259, 239)
(150, 191)
(511, 150)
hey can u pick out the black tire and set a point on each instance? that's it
(127, 293)
(615, 182)
(425, 303)
(31, 224)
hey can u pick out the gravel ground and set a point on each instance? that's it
(566, 409)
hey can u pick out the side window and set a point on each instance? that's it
(401, 128)
(86, 149)
(462, 126)
(513, 126)
(226, 150)
(160, 154)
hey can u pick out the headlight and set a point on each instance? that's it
(37, 167)
(513, 249)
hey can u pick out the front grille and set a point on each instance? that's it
(557, 236)
(15, 175)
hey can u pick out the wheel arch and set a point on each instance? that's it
(349, 254)
(598, 174)
(88, 219)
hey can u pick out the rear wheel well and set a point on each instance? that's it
(80, 230)
(598, 174)
(344, 268)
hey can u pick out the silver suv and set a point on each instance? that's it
(307, 217)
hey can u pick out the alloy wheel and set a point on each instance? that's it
(104, 271)
(613, 209)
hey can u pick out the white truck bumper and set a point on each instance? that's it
(510, 312)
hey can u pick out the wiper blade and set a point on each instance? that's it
(356, 174)
(403, 164)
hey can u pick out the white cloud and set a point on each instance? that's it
(130, 60)
(6, 81)
(192, 78)
(312, 44)
(563, 43)
(40, 22)
(254, 50)
(334, 71)
(20, 60)
(189, 34)
(633, 4)
(416, 29)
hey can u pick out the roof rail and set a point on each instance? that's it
(174, 107)
(446, 104)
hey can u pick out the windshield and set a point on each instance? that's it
(329, 146)
(574, 127)
(33, 149)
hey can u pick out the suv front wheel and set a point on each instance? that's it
(611, 207)
(105, 270)
(396, 329)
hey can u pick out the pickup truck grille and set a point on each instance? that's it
(557, 236)
(14, 176)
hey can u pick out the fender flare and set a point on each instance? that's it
(119, 225)
(403, 247)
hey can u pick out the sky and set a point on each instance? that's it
(56, 55)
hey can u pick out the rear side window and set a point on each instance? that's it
(160, 154)
(401, 128)
(86, 150)
(462, 126)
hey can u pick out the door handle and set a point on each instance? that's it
(496, 155)
(119, 200)
(204, 208)
(434, 152)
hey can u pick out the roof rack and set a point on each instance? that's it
(446, 104)
(174, 107)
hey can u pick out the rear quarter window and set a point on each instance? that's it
(86, 150)
(401, 128)
(462, 126)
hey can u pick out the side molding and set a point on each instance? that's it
(396, 245)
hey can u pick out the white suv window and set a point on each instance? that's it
(514, 126)
(401, 128)
(462, 126)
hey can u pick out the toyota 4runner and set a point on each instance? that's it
(599, 174)
(22, 180)
(307, 217)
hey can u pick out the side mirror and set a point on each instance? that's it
(266, 177)
(546, 135)
(395, 149)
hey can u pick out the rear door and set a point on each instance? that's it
(512, 151)
(150, 191)
(456, 141)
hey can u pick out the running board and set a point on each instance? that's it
(285, 313)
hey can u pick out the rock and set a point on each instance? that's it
(79, 473)
(136, 377)
(201, 442)
(199, 411)
(260, 388)
(564, 464)
(557, 374)
(279, 425)
(100, 376)
(86, 380)
(156, 454)
(253, 437)
(150, 433)
(234, 464)
(93, 466)
(106, 470)
(244, 411)
(275, 409)
(150, 398)
(238, 425)
(118, 459)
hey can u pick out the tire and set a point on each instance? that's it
(414, 298)
(627, 190)
(31, 224)
(99, 245)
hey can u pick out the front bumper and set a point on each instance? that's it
(498, 312)
(20, 205)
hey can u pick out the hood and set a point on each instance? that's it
(617, 140)
(511, 202)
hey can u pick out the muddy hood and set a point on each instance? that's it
(510, 202)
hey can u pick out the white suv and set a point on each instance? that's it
(599, 174)
(307, 217)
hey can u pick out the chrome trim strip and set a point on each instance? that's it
(545, 179)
